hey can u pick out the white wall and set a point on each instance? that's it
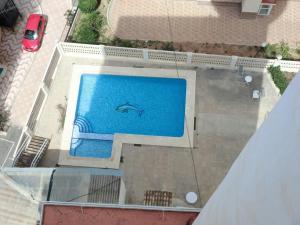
(263, 185)
(234, 1)
(251, 6)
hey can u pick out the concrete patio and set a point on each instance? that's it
(226, 116)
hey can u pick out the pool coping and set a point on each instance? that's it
(185, 141)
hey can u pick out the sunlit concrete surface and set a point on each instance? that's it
(226, 117)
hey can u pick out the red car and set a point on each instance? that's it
(34, 32)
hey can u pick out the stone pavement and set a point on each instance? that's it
(20, 85)
(12, 56)
(226, 118)
(192, 21)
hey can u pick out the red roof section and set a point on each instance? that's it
(67, 215)
(269, 2)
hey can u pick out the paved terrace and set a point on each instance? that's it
(203, 22)
(226, 117)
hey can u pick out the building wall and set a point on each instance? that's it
(263, 185)
(250, 6)
(230, 1)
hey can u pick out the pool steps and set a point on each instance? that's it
(83, 124)
(83, 130)
(104, 137)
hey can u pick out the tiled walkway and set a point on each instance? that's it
(192, 21)
(21, 83)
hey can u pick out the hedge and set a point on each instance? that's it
(278, 78)
(88, 30)
(87, 6)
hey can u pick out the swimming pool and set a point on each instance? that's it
(138, 105)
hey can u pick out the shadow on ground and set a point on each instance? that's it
(200, 22)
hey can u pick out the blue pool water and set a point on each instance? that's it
(109, 104)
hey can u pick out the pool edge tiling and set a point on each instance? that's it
(113, 162)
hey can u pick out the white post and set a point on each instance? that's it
(145, 54)
(189, 58)
(233, 61)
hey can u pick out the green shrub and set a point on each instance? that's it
(168, 46)
(126, 43)
(4, 118)
(122, 42)
(89, 29)
(93, 20)
(137, 44)
(270, 50)
(84, 34)
(298, 51)
(278, 78)
(150, 42)
(115, 41)
(87, 6)
(283, 49)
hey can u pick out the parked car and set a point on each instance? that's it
(34, 32)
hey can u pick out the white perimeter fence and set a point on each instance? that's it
(181, 58)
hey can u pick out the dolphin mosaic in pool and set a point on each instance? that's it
(125, 108)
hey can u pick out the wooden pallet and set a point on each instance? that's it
(158, 198)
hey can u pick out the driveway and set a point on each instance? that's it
(11, 55)
(202, 22)
(20, 84)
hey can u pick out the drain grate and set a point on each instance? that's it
(104, 189)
